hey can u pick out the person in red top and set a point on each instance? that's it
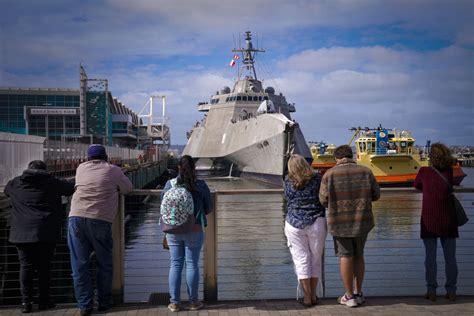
(438, 219)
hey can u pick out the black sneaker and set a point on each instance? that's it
(86, 312)
(43, 306)
(103, 308)
(26, 307)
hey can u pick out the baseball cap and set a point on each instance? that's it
(96, 150)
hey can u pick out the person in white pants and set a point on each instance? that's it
(305, 225)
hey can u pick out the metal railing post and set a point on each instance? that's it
(210, 255)
(118, 235)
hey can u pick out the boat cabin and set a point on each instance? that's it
(385, 142)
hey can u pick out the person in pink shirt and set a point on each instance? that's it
(94, 206)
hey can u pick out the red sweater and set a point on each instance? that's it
(438, 217)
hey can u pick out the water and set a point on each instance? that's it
(468, 181)
(254, 261)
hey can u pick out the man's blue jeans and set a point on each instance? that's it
(451, 267)
(86, 235)
(184, 248)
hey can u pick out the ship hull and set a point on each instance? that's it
(257, 147)
(401, 171)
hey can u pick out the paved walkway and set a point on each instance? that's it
(373, 306)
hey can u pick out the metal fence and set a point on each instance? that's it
(245, 254)
(63, 158)
(16, 151)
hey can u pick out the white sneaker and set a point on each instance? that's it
(173, 307)
(348, 301)
(360, 298)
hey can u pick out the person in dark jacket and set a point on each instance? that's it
(35, 227)
(438, 219)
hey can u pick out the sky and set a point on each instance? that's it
(405, 64)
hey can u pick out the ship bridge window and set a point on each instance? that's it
(244, 98)
(260, 98)
(265, 97)
(239, 98)
(371, 146)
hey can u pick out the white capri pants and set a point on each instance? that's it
(306, 248)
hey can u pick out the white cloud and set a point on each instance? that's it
(334, 87)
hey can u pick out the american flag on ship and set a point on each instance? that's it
(234, 58)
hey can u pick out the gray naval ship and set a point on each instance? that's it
(247, 130)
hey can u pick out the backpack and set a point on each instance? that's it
(177, 210)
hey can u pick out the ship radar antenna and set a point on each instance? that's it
(248, 55)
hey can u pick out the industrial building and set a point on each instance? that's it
(89, 114)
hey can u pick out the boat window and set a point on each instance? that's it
(255, 98)
(260, 98)
(227, 99)
(244, 98)
(239, 98)
(372, 146)
(265, 97)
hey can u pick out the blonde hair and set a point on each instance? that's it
(299, 171)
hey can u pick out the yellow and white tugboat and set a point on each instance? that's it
(323, 156)
(392, 156)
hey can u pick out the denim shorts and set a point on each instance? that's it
(349, 246)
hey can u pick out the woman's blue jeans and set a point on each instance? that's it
(451, 267)
(87, 235)
(184, 248)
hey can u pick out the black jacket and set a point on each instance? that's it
(37, 210)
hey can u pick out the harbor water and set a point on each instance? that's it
(254, 261)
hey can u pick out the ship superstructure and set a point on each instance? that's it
(392, 155)
(323, 156)
(248, 126)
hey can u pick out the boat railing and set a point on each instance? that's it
(245, 253)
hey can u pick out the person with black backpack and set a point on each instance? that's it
(185, 203)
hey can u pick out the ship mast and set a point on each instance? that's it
(248, 54)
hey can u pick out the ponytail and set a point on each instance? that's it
(187, 174)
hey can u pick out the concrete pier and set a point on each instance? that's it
(374, 306)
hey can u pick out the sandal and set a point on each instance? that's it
(305, 304)
(315, 301)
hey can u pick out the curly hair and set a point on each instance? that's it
(440, 157)
(299, 171)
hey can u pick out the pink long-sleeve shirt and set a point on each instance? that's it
(98, 185)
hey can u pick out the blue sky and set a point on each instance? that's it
(403, 64)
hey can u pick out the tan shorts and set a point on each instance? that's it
(349, 246)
